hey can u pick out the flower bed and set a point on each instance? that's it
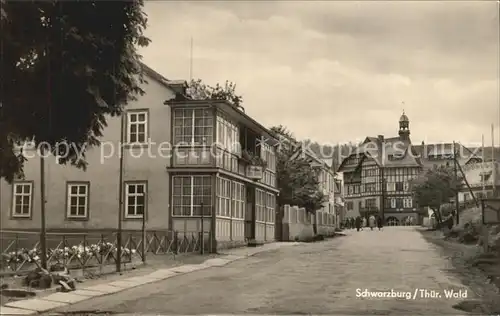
(79, 255)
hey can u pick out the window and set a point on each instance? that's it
(371, 203)
(393, 203)
(193, 126)
(223, 197)
(370, 187)
(190, 194)
(391, 186)
(399, 203)
(78, 200)
(268, 155)
(137, 127)
(135, 199)
(228, 135)
(260, 206)
(406, 186)
(399, 186)
(238, 200)
(407, 203)
(270, 207)
(350, 206)
(22, 201)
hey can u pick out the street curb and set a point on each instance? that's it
(18, 305)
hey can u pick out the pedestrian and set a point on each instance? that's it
(353, 223)
(358, 223)
(379, 222)
(371, 222)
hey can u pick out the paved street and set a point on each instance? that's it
(313, 278)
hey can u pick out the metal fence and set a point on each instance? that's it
(21, 252)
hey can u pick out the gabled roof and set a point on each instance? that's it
(315, 160)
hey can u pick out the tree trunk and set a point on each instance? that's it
(439, 219)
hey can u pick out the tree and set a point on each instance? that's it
(197, 90)
(65, 67)
(297, 179)
(435, 188)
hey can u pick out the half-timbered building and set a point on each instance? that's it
(377, 175)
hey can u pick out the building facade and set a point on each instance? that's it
(181, 158)
(326, 178)
(377, 175)
(226, 162)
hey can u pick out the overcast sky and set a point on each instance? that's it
(339, 71)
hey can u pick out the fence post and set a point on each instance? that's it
(16, 249)
(143, 239)
(176, 243)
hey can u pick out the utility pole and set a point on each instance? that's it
(455, 171)
(120, 196)
(382, 198)
(43, 231)
(493, 161)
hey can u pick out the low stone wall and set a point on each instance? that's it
(298, 224)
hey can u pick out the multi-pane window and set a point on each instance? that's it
(399, 203)
(223, 197)
(22, 199)
(407, 203)
(193, 126)
(268, 155)
(371, 203)
(191, 194)
(399, 186)
(228, 135)
(270, 207)
(370, 187)
(135, 199)
(393, 203)
(137, 127)
(260, 205)
(78, 200)
(238, 200)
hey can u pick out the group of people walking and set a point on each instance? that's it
(360, 222)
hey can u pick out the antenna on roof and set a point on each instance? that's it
(191, 61)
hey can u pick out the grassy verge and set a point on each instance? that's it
(469, 266)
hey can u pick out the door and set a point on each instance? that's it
(250, 214)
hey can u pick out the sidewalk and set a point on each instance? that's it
(120, 283)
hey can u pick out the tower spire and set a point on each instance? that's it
(404, 127)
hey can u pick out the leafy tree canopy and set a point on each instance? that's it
(436, 187)
(297, 179)
(65, 66)
(198, 90)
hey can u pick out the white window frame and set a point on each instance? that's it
(127, 195)
(78, 195)
(191, 196)
(270, 207)
(238, 200)
(393, 203)
(138, 123)
(22, 194)
(224, 188)
(192, 117)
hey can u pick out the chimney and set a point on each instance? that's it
(381, 148)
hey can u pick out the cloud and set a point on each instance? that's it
(338, 71)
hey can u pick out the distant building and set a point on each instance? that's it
(377, 174)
